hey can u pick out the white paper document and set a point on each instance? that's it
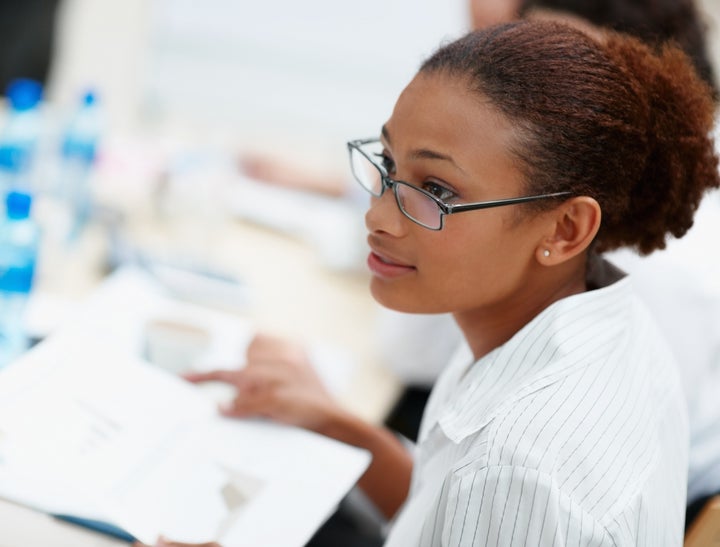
(93, 432)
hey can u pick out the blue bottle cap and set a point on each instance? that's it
(17, 205)
(24, 93)
(89, 98)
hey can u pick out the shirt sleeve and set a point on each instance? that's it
(508, 506)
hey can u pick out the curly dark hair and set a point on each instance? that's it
(655, 22)
(609, 120)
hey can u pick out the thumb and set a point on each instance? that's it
(225, 376)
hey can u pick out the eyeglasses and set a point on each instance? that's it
(417, 204)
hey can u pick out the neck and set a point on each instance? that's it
(488, 328)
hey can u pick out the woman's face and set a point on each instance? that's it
(452, 142)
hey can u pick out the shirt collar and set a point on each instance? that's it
(569, 334)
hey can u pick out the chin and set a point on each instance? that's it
(402, 301)
(389, 297)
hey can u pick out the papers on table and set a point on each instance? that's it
(89, 429)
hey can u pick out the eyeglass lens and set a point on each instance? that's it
(367, 173)
(417, 206)
(412, 202)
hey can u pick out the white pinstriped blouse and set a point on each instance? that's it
(574, 432)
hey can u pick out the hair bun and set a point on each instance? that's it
(680, 164)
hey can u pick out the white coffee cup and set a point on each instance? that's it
(175, 345)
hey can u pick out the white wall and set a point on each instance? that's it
(311, 67)
(282, 71)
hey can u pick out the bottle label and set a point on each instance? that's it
(17, 279)
(13, 158)
(77, 148)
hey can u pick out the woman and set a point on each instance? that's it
(679, 285)
(568, 424)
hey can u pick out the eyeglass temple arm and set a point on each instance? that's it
(449, 209)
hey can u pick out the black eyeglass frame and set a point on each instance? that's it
(444, 208)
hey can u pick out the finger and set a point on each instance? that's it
(244, 406)
(225, 376)
(260, 344)
(290, 357)
(262, 377)
(231, 410)
(263, 345)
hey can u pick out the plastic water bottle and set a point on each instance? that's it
(79, 150)
(20, 135)
(19, 239)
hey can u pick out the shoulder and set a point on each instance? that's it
(501, 504)
(494, 505)
(594, 423)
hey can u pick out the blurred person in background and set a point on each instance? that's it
(653, 21)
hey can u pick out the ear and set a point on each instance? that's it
(572, 228)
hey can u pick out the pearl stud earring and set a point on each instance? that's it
(546, 253)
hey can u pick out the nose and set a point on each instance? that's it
(384, 215)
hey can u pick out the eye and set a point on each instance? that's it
(438, 190)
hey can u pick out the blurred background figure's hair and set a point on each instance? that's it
(653, 21)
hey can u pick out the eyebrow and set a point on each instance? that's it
(423, 153)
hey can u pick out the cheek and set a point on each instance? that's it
(458, 270)
(467, 243)
(484, 265)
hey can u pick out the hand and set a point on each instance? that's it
(278, 382)
(162, 542)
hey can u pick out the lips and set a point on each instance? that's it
(382, 265)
